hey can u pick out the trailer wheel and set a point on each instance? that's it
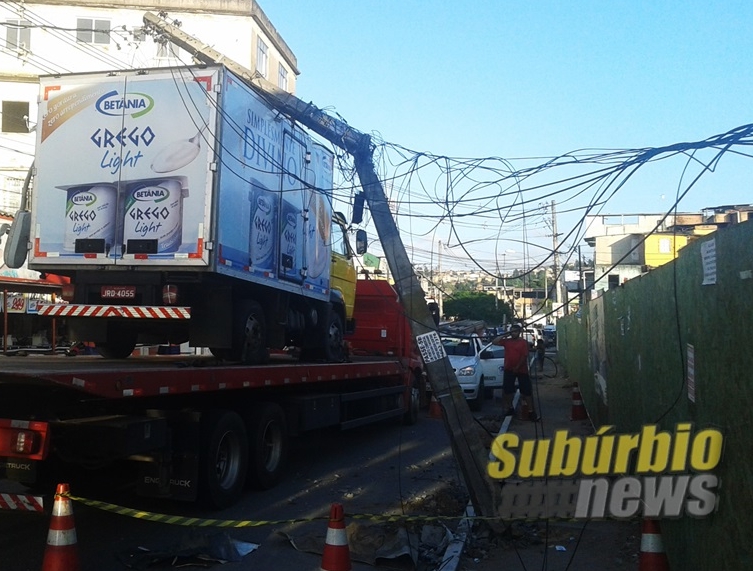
(268, 434)
(250, 334)
(223, 458)
(119, 345)
(333, 338)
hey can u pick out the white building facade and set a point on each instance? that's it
(70, 36)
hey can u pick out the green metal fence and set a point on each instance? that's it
(629, 352)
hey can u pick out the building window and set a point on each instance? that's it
(613, 280)
(262, 57)
(282, 78)
(167, 50)
(665, 246)
(90, 31)
(15, 117)
(139, 35)
(18, 35)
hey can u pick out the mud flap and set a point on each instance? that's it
(181, 475)
(18, 470)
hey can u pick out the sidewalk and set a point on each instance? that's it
(607, 545)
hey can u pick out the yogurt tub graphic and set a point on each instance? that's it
(291, 242)
(153, 210)
(90, 214)
(317, 238)
(261, 240)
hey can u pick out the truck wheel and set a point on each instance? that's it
(333, 338)
(119, 345)
(268, 433)
(250, 335)
(221, 353)
(223, 458)
(411, 415)
(478, 402)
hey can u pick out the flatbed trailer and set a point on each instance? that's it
(198, 430)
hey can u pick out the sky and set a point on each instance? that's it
(534, 79)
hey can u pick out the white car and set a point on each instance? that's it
(493, 365)
(473, 364)
(531, 334)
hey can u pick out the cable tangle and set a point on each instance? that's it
(477, 206)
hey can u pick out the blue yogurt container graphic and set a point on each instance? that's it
(263, 221)
(90, 214)
(153, 210)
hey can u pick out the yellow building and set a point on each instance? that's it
(660, 248)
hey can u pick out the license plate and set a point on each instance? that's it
(118, 292)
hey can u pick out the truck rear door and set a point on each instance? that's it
(123, 169)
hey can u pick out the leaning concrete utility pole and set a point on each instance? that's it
(465, 434)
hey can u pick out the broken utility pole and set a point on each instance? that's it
(465, 434)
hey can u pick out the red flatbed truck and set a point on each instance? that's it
(198, 430)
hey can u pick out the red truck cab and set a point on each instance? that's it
(382, 329)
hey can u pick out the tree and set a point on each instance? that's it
(477, 305)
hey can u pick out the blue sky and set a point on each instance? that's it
(536, 79)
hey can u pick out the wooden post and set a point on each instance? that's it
(464, 432)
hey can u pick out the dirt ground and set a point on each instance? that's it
(606, 545)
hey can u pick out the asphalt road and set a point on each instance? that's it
(382, 469)
(385, 469)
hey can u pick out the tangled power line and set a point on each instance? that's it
(490, 201)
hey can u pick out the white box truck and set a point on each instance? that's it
(184, 207)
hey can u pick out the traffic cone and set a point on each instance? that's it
(336, 555)
(653, 556)
(435, 409)
(61, 553)
(578, 411)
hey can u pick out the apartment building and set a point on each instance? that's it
(65, 36)
(628, 245)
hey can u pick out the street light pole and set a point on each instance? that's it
(496, 292)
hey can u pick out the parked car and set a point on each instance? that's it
(493, 365)
(473, 365)
(531, 334)
(550, 334)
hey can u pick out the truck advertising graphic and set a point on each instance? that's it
(117, 159)
(220, 203)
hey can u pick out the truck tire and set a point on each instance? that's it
(250, 334)
(221, 353)
(268, 435)
(223, 458)
(333, 338)
(119, 345)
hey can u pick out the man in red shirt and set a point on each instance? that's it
(516, 367)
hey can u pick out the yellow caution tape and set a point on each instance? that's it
(201, 522)
(182, 520)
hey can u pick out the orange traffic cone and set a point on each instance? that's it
(61, 553)
(336, 555)
(435, 409)
(578, 412)
(653, 557)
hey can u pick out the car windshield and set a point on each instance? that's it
(460, 346)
